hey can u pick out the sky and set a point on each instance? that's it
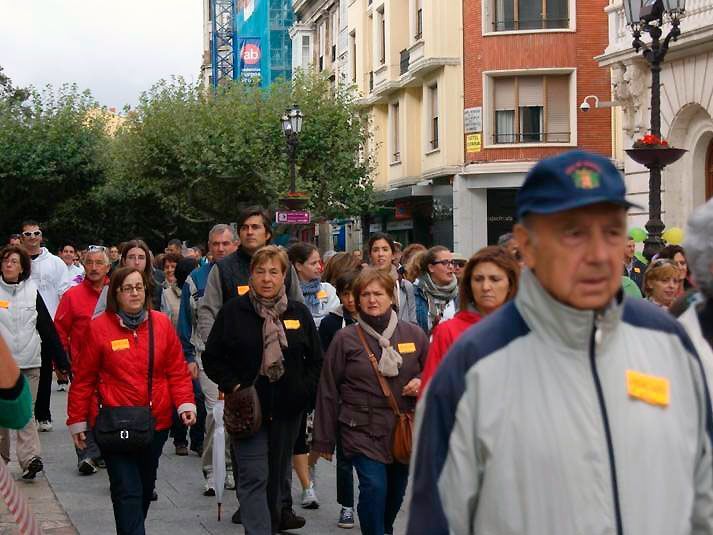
(115, 49)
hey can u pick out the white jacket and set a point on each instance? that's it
(18, 322)
(51, 277)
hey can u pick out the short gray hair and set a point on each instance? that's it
(102, 252)
(699, 247)
(219, 229)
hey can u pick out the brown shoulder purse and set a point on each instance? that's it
(243, 414)
(402, 439)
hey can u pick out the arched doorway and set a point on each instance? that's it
(709, 171)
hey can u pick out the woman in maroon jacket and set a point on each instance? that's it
(352, 405)
(489, 280)
(115, 360)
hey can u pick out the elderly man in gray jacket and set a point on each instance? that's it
(572, 409)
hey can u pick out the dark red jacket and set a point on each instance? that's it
(73, 315)
(115, 360)
(442, 339)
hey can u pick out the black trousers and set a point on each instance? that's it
(132, 478)
(44, 390)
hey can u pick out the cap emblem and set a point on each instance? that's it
(585, 175)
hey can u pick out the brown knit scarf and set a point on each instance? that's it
(273, 332)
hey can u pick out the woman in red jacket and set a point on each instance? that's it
(115, 360)
(489, 280)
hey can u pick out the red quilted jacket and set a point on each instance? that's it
(115, 360)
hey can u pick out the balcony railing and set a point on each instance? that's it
(529, 24)
(532, 137)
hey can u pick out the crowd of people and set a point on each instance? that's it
(527, 388)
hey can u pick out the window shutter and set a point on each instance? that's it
(530, 91)
(504, 92)
(558, 126)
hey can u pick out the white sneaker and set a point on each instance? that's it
(61, 387)
(309, 498)
(209, 486)
(229, 481)
(44, 426)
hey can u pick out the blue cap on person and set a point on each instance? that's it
(571, 180)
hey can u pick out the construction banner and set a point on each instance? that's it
(250, 56)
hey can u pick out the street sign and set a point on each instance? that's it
(293, 217)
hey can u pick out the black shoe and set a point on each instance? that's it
(33, 467)
(290, 520)
(236, 517)
(87, 467)
(99, 461)
(154, 496)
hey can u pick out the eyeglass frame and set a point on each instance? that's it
(131, 288)
(444, 262)
(29, 234)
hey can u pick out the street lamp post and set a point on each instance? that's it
(291, 127)
(648, 16)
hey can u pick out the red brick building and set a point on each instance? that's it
(527, 66)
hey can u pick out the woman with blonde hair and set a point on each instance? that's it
(662, 282)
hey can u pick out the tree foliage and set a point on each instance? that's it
(207, 154)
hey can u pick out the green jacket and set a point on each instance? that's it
(630, 288)
(16, 405)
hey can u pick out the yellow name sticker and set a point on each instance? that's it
(292, 325)
(322, 294)
(648, 388)
(4, 304)
(242, 290)
(637, 270)
(118, 345)
(408, 347)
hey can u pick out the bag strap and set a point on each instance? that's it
(382, 380)
(151, 352)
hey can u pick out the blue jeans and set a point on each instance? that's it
(132, 479)
(345, 477)
(381, 493)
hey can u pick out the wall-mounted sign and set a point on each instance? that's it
(473, 142)
(399, 225)
(402, 210)
(473, 120)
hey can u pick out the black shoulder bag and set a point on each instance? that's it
(127, 429)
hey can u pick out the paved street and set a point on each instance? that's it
(181, 508)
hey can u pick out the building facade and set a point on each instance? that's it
(260, 41)
(686, 110)
(527, 66)
(404, 57)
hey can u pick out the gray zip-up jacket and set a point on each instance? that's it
(546, 420)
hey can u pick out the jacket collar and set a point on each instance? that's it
(468, 316)
(86, 282)
(560, 324)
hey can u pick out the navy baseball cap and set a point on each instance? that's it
(571, 180)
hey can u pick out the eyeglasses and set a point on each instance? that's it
(29, 234)
(444, 262)
(128, 288)
(459, 263)
(93, 248)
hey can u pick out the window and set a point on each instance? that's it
(514, 15)
(396, 150)
(531, 109)
(382, 37)
(433, 108)
(417, 19)
(306, 56)
(322, 31)
(353, 55)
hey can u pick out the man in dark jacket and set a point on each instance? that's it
(633, 267)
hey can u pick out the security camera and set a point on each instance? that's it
(584, 106)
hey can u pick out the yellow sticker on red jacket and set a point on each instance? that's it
(118, 345)
(4, 304)
(322, 294)
(242, 290)
(648, 388)
(292, 325)
(407, 347)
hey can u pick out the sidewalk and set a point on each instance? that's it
(181, 508)
(48, 511)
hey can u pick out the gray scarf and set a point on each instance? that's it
(438, 297)
(131, 321)
(390, 360)
(274, 339)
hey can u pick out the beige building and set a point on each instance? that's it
(405, 58)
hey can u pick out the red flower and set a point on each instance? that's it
(651, 140)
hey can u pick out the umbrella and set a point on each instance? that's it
(219, 452)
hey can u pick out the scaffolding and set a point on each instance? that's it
(222, 43)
